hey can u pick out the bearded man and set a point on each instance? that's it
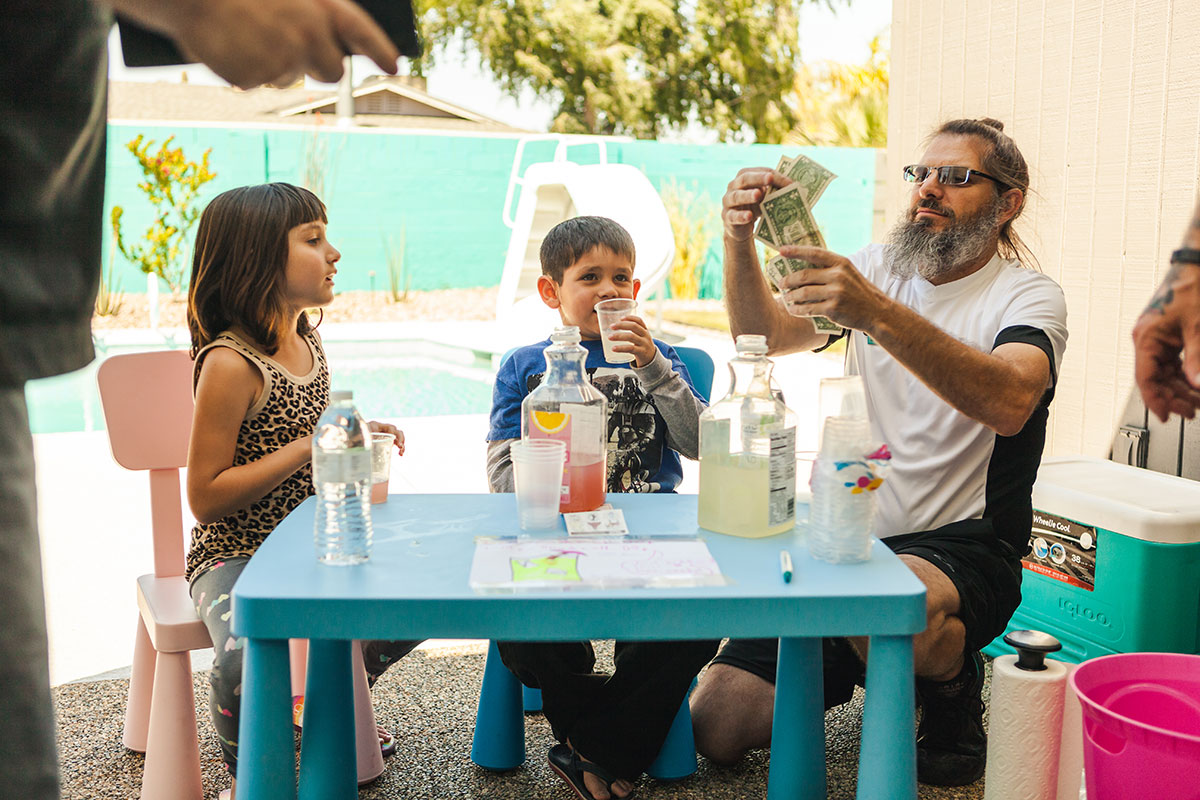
(958, 344)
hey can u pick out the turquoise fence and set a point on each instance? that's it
(446, 193)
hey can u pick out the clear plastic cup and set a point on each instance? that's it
(842, 511)
(841, 396)
(537, 477)
(607, 313)
(382, 445)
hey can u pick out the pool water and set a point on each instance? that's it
(389, 379)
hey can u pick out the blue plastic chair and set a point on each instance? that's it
(700, 366)
(499, 739)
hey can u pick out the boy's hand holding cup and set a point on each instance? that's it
(625, 337)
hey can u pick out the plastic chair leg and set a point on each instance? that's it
(366, 737)
(677, 758)
(173, 754)
(531, 699)
(298, 658)
(499, 741)
(141, 685)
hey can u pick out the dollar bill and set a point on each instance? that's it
(778, 268)
(812, 180)
(789, 219)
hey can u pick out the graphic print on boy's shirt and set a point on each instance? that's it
(635, 438)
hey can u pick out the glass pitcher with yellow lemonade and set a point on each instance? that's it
(748, 452)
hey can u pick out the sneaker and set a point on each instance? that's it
(951, 744)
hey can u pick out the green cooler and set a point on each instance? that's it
(1114, 565)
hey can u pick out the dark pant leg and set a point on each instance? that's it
(210, 593)
(28, 759)
(563, 671)
(625, 726)
(378, 655)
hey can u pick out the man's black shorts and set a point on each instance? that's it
(985, 570)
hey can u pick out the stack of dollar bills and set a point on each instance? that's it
(787, 220)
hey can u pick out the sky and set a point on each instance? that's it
(841, 35)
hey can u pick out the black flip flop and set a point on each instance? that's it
(570, 767)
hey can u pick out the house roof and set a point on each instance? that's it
(379, 101)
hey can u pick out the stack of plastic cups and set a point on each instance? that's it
(842, 512)
(537, 478)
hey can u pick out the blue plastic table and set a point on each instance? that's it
(415, 586)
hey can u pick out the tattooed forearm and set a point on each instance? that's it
(1165, 294)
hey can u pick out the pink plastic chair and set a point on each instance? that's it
(147, 400)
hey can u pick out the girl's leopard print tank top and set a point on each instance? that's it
(287, 409)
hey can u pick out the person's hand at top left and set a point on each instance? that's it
(630, 335)
(386, 427)
(252, 42)
(832, 289)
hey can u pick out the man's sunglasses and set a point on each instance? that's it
(947, 176)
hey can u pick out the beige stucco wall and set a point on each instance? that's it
(1103, 97)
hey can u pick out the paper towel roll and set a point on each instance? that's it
(1025, 731)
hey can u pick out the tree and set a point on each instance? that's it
(171, 185)
(638, 67)
(843, 104)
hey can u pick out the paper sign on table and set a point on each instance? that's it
(517, 564)
(604, 521)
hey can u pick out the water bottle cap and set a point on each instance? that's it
(341, 394)
(751, 343)
(565, 334)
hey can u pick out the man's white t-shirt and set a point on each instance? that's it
(945, 466)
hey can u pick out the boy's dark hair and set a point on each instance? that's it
(239, 259)
(571, 240)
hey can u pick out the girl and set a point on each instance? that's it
(260, 381)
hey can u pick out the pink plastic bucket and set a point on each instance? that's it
(1141, 725)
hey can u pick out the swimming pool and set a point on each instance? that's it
(389, 379)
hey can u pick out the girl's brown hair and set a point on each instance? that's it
(239, 259)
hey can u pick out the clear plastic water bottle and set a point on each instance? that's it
(341, 461)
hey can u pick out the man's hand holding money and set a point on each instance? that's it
(836, 290)
(741, 206)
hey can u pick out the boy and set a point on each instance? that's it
(609, 727)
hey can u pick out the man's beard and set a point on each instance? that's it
(913, 248)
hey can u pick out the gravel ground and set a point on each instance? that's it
(428, 701)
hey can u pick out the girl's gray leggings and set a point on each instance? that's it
(210, 593)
